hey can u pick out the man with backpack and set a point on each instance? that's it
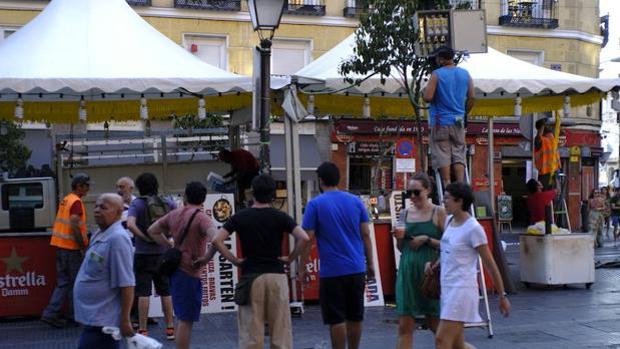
(143, 212)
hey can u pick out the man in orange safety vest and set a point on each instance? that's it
(69, 236)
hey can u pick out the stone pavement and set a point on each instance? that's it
(542, 317)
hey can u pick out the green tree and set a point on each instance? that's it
(385, 43)
(13, 153)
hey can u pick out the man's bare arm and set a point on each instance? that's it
(157, 231)
(133, 228)
(370, 261)
(471, 96)
(218, 242)
(429, 91)
(76, 223)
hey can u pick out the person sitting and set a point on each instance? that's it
(537, 200)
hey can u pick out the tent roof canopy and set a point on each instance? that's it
(495, 75)
(90, 47)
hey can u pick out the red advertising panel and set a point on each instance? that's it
(27, 275)
(311, 288)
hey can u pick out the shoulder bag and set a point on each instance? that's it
(172, 258)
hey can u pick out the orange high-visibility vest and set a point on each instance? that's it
(62, 234)
(547, 158)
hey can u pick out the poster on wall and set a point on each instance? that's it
(219, 276)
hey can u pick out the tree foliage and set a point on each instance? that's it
(13, 153)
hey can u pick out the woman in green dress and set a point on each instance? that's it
(418, 240)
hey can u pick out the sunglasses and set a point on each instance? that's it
(413, 192)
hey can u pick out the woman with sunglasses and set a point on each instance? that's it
(462, 242)
(418, 238)
(596, 204)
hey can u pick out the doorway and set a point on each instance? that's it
(513, 178)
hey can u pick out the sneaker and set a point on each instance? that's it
(54, 322)
(170, 333)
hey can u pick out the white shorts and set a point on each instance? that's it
(459, 304)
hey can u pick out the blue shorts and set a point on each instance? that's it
(186, 294)
(615, 220)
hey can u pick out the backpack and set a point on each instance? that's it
(156, 207)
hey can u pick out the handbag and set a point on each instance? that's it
(431, 286)
(172, 257)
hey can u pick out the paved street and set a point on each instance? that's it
(542, 317)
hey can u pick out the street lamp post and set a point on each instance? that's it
(266, 16)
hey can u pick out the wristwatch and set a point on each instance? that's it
(504, 295)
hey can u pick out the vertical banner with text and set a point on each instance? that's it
(220, 276)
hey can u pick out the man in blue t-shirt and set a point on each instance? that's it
(339, 221)
(450, 92)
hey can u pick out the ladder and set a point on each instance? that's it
(486, 322)
(563, 209)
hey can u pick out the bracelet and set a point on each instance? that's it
(503, 295)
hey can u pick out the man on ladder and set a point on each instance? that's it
(546, 155)
(450, 92)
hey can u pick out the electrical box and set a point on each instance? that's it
(461, 30)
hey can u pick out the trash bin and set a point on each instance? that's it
(557, 259)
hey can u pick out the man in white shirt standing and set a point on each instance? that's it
(124, 188)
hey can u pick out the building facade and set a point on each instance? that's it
(558, 34)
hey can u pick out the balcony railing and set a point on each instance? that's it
(139, 2)
(305, 7)
(217, 5)
(530, 14)
(355, 8)
(465, 4)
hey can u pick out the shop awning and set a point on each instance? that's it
(309, 160)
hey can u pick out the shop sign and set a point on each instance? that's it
(498, 129)
(482, 141)
(27, 275)
(365, 148)
(481, 184)
(405, 165)
(384, 127)
(583, 138)
(575, 153)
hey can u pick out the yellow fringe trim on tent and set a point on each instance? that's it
(123, 110)
(329, 104)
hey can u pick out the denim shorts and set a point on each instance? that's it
(186, 293)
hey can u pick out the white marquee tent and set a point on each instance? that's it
(85, 48)
(496, 76)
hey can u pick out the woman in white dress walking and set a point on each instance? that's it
(462, 242)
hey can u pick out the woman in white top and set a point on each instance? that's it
(462, 242)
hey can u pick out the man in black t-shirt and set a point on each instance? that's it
(260, 230)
